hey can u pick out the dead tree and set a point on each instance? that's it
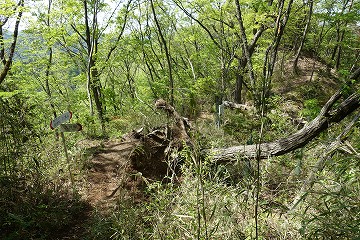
(156, 153)
(332, 112)
(179, 129)
(234, 105)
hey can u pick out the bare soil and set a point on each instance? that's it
(119, 170)
(116, 171)
(111, 176)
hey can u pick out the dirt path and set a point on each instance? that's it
(111, 176)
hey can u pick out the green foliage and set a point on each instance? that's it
(128, 222)
(210, 201)
(17, 133)
(241, 125)
(310, 91)
(7, 95)
(311, 109)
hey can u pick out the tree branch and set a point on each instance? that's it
(8, 63)
(77, 31)
(120, 34)
(199, 22)
(245, 46)
(320, 164)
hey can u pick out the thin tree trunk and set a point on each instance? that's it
(242, 63)
(316, 46)
(96, 89)
(238, 87)
(245, 46)
(273, 50)
(129, 79)
(151, 80)
(147, 62)
(295, 67)
(47, 78)
(93, 84)
(340, 35)
(338, 55)
(337, 42)
(48, 71)
(48, 66)
(89, 63)
(2, 45)
(167, 53)
(88, 89)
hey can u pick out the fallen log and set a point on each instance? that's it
(324, 120)
(233, 105)
(327, 116)
(176, 135)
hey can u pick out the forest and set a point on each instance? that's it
(179, 119)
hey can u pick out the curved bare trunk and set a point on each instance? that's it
(328, 115)
(294, 141)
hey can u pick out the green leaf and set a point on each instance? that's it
(6, 95)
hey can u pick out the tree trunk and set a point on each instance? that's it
(340, 35)
(245, 46)
(238, 87)
(338, 55)
(326, 117)
(242, 63)
(337, 42)
(7, 63)
(272, 51)
(233, 105)
(167, 53)
(295, 67)
(48, 67)
(94, 84)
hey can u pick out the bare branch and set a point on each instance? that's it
(245, 45)
(199, 22)
(77, 31)
(121, 32)
(320, 164)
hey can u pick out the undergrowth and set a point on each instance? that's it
(207, 200)
(35, 209)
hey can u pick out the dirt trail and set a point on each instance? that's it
(111, 176)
